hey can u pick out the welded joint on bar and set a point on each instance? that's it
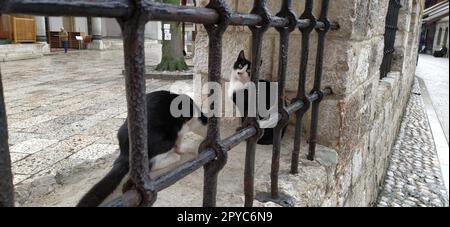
(323, 18)
(287, 13)
(225, 14)
(221, 153)
(307, 15)
(260, 9)
(303, 105)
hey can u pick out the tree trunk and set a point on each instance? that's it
(172, 50)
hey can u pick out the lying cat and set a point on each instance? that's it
(239, 82)
(165, 133)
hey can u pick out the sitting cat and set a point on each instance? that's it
(165, 133)
(239, 82)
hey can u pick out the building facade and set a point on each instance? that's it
(24, 37)
(434, 35)
(38, 28)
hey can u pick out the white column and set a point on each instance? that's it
(40, 29)
(41, 36)
(97, 42)
(96, 28)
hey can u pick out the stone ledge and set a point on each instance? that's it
(117, 43)
(13, 52)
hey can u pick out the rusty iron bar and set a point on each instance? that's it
(167, 179)
(155, 11)
(389, 37)
(259, 8)
(299, 104)
(301, 90)
(132, 16)
(6, 178)
(133, 29)
(317, 79)
(212, 141)
(285, 12)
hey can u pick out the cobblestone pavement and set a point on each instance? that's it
(434, 72)
(64, 110)
(414, 177)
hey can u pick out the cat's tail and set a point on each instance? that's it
(113, 179)
(107, 185)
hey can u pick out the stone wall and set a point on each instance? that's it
(361, 119)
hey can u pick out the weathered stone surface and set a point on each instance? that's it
(12, 52)
(361, 120)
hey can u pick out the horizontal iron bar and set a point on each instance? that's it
(155, 11)
(294, 107)
(238, 137)
(204, 157)
(183, 170)
(170, 178)
(229, 143)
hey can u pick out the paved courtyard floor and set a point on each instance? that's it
(65, 109)
(64, 112)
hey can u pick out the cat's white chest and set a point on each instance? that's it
(235, 85)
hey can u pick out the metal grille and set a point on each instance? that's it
(132, 16)
(389, 37)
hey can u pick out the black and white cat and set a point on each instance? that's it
(239, 82)
(165, 133)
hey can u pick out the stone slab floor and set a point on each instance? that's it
(64, 110)
(414, 177)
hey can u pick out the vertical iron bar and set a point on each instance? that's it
(214, 75)
(133, 29)
(284, 116)
(396, 6)
(259, 7)
(317, 79)
(6, 178)
(389, 37)
(249, 172)
(212, 169)
(284, 42)
(301, 91)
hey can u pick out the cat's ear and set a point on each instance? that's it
(241, 55)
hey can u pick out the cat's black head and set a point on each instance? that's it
(242, 68)
(242, 63)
